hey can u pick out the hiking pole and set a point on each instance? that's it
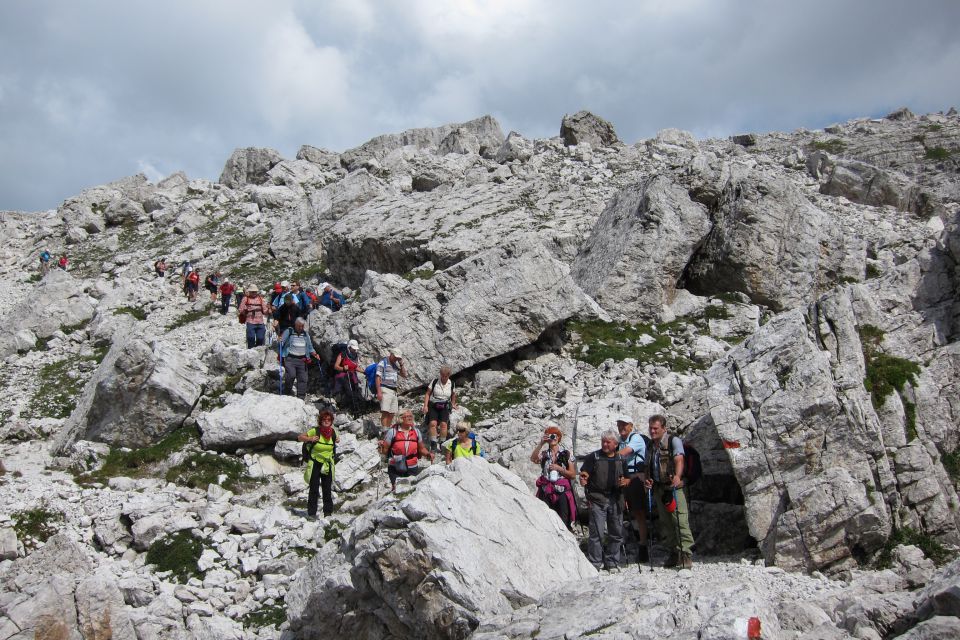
(649, 530)
(676, 515)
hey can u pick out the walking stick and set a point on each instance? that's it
(649, 530)
(676, 515)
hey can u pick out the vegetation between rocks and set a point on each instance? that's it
(909, 536)
(190, 316)
(885, 373)
(266, 616)
(937, 154)
(418, 274)
(139, 463)
(136, 312)
(177, 553)
(203, 468)
(833, 145)
(35, 526)
(511, 394)
(599, 341)
(60, 383)
(951, 464)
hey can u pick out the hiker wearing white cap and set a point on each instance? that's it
(331, 298)
(226, 294)
(253, 312)
(345, 367)
(389, 372)
(633, 449)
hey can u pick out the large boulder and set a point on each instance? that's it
(469, 543)
(255, 418)
(58, 302)
(639, 248)
(584, 127)
(867, 184)
(249, 165)
(481, 308)
(143, 390)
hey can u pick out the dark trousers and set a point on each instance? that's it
(562, 508)
(393, 474)
(320, 481)
(605, 519)
(294, 368)
(255, 335)
(225, 304)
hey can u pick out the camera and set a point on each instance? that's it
(552, 437)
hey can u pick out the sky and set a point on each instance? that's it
(95, 90)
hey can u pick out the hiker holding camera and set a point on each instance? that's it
(665, 466)
(604, 475)
(322, 450)
(557, 471)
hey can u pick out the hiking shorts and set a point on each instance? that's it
(636, 495)
(389, 403)
(439, 412)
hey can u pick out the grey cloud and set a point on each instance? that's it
(90, 92)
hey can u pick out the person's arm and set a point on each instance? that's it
(426, 400)
(677, 480)
(450, 452)
(535, 456)
(424, 452)
(306, 437)
(403, 369)
(377, 381)
(571, 471)
(338, 365)
(453, 396)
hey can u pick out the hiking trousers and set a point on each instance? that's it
(255, 335)
(668, 521)
(320, 481)
(605, 519)
(294, 367)
(225, 304)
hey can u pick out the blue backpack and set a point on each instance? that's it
(371, 374)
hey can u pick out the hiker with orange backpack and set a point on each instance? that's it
(665, 476)
(403, 446)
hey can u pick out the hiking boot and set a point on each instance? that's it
(612, 568)
(686, 561)
(672, 560)
(643, 554)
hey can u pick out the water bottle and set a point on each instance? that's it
(553, 476)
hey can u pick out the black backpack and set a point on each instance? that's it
(307, 448)
(433, 388)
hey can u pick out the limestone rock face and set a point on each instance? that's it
(584, 127)
(483, 307)
(248, 166)
(639, 248)
(400, 566)
(864, 183)
(255, 418)
(140, 393)
(58, 301)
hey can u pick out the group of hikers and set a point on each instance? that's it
(46, 258)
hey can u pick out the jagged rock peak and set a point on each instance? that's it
(584, 126)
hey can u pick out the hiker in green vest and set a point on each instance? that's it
(463, 446)
(665, 464)
(320, 465)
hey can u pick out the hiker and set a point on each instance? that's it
(160, 267)
(464, 445)
(603, 474)
(322, 450)
(192, 285)
(633, 449)
(665, 465)
(439, 400)
(296, 349)
(279, 291)
(238, 294)
(253, 312)
(312, 300)
(345, 367)
(212, 283)
(557, 471)
(389, 372)
(226, 294)
(63, 262)
(286, 314)
(403, 446)
(300, 298)
(45, 262)
(185, 268)
(331, 298)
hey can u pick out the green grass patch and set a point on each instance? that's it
(910, 419)
(59, 385)
(886, 374)
(136, 312)
(715, 312)
(35, 277)
(36, 526)
(872, 271)
(305, 273)
(178, 553)
(933, 127)
(833, 145)
(190, 316)
(937, 154)
(420, 274)
(951, 464)
(908, 536)
(204, 468)
(509, 395)
(139, 463)
(621, 340)
(331, 531)
(266, 616)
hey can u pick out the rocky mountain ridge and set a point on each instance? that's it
(789, 300)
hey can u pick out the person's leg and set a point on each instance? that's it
(314, 492)
(326, 483)
(431, 429)
(594, 543)
(637, 499)
(260, 331)
(668, 526)
(614, 515)
(392, 474)
(562, 507)
(289, 373)
(251, 336)
(685, 542)
(301, 370)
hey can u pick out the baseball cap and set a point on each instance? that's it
(624, 419)
(353, 344)
(396, 353)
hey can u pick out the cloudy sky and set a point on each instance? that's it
(94, 90)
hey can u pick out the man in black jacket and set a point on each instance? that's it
(603, 474)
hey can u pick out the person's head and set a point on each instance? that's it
(658, 425)
(396, 355)
(277, 288)
(406, 418)
(553, 434)
(294, 286)
(252, 290)
(288, 300)
(624, 425)
(445, 373)
(353, 346)
(226, 281)
(463, 431)
(285, 285)
(299, 324)
(325, 418)
(327, 287)
(609, 442)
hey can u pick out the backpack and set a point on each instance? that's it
(692, 467)
(307, 448)
(45, 256)
(371, 374)
(402, 465)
